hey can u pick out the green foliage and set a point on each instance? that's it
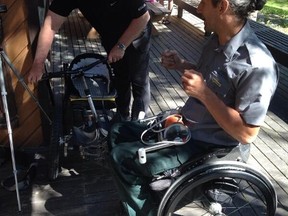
(282, 4)
(277, 11)
(278, 7)
(276, 14)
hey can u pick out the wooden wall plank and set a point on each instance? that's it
(17, 46)
(13, 19)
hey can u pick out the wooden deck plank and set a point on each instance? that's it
(87, 188)
(279, 181)
(164, 84)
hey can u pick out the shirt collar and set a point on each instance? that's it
(230, 49)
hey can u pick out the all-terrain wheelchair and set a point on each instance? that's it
(83, 102)
(215, 183)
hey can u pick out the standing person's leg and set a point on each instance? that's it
(170, 6)
(166, 19)
(140, 87)
(138, 68)
(133, 69)
(131, 74)
(122, 85)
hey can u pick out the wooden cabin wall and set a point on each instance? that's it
(21, 24)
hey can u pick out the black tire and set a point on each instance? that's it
(224, 188)
(55, 146)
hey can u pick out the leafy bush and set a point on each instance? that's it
(276, 11)
(276, 14)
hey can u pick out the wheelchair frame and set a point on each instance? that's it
(215, 183)
(64, 104)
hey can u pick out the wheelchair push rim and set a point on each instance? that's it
(222, 188)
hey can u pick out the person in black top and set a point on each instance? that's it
(125, 30)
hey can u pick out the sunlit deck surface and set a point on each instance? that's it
(86, 188)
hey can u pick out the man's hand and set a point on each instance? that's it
(194, 84)
(35, 74)
(171, 60)
(115, 54)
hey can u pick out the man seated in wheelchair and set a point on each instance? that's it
(229, 93)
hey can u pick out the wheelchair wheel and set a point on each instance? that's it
(222, 188)
(56, 139)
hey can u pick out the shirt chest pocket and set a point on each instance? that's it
(219, 83)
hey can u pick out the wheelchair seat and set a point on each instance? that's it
(98, 77)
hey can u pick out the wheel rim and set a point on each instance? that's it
(252, 198)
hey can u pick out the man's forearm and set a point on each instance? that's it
(51, 25)
(186, 65)
(230, 119)
(44, 43)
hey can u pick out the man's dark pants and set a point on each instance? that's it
(131, 74)
(133, 178)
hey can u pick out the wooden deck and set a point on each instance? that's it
(86, 188)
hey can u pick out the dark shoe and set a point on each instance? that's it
(9, 183)
(24, 178)
(166, 21)
(13, 121)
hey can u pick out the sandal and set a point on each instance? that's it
(166, 21)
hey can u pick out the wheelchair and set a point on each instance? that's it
(216, 183)
(83, 102)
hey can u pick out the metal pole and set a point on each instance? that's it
(89, 97)
(21, 80)
(9, 129)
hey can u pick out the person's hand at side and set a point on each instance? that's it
(35, 73)
(116, 54)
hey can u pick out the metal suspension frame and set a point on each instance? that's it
(9, 128)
